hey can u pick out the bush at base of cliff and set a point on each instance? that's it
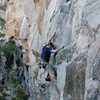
(3, 7)
(19, 93)
(2, 23)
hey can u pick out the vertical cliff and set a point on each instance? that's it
(77, 24)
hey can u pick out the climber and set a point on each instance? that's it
(45, 56)
(67, 0)
(47, 50)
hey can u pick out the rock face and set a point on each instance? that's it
(77, 26)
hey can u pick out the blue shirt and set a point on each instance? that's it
(45, 55)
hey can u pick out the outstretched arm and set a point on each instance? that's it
(51, 37)
(58, 49)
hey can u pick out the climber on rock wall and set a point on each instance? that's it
(67, 0)
(46, 52)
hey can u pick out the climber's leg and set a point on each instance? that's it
(51, 72)
(42, 64)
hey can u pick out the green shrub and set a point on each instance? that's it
(3, 7)
(2, 23)
(9, 49)
(15, 83)
(21, 95)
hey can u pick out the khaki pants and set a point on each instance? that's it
(51, 72)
